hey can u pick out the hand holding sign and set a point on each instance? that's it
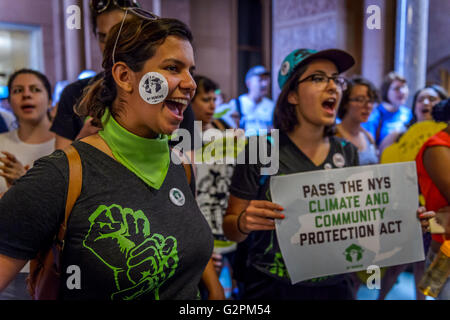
(424, 217)
(443, 218)
(344, 220)
(260, 215)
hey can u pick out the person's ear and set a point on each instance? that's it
(123, 76)
(247, 83)
(292, 97)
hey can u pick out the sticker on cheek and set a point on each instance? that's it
(153, 88)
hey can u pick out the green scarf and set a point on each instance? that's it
(149, 159)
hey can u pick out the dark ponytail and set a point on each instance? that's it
(98, 96)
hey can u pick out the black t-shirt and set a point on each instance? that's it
(247, 183)
(128, 240)
(67, 124)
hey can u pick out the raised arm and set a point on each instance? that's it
(443, 218)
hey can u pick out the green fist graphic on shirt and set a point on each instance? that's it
(141, 261)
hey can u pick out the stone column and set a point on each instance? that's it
(74, 41)
(411, 42)
(156, 7)
(378, 44)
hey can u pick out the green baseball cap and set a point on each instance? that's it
(301, 57)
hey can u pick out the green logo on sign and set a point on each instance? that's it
(353, 253)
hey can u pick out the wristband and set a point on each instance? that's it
(239, 228)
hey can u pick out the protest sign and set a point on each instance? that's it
(408, 146)
(344, 220)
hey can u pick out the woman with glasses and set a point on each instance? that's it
(305, 113)
(135, 231)
(355, 108)
(391, 114)
(423, 102)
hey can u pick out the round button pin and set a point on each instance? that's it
(285, 68)
(153, 88)
(338, 160)
(327, 166)
(177, 197)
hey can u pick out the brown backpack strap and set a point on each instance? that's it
(187, 169)
(43, 281)
(74, 189)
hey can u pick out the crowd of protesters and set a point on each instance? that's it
(147, 227)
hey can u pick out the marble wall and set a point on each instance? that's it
(318, 25)
(378, 45)
(342, 24)
(215, 42)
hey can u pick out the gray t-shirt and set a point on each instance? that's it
(128, 240)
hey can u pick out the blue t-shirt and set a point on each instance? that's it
(384, 122)
(369, 154)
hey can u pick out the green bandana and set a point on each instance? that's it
(149, 159)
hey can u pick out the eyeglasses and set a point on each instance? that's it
(98, 6)
(362, 100)
(141, 13)
(400, 87)
(431, 99)
(322, 80)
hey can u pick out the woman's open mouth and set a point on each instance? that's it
(27, 108)
(330, 105)
(176, 106)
